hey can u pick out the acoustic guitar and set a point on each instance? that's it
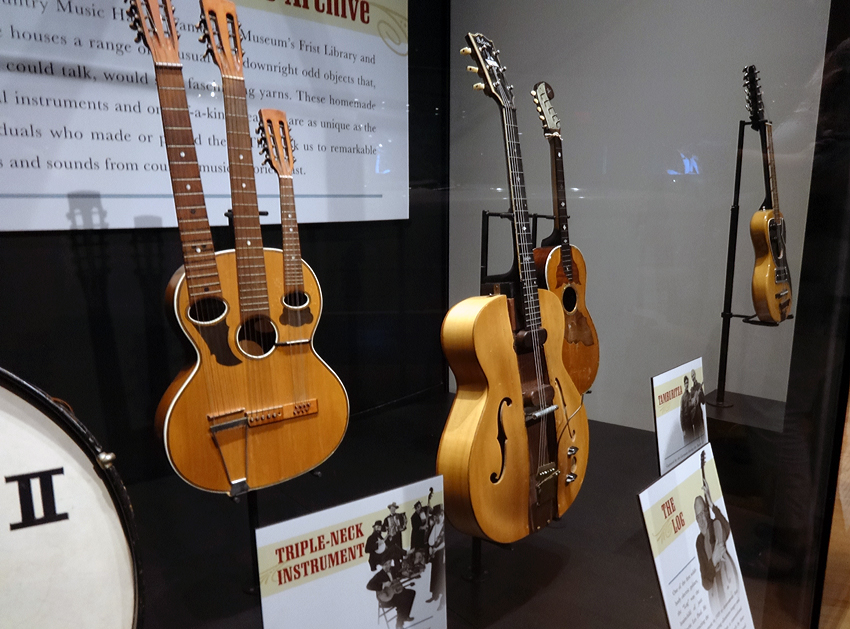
(514, 449)
(561, 268)
(771, 277)
(222, 433)
(294, 409)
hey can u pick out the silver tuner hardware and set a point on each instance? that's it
(466, 50)
(569, 478)
(478, 86)
(105, 460)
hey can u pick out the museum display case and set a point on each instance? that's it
(613, 156)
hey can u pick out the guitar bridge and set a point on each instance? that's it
(292, 410)
(546, 485)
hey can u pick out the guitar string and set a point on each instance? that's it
(174, 100)
(526, 277)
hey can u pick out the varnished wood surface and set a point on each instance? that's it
(765, 288)
(581, 342)
(275, 451)
(478, 344)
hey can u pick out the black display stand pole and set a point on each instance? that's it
(727, 315)
(485, 239)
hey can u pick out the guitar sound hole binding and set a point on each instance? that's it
(570, 299)
(296, 300)
(207, 311)
(257, 337)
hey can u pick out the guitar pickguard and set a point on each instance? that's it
(776, 238)
(215, 336)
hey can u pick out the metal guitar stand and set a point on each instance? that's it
(727, 315)
(489, 282)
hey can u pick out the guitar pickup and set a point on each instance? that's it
(530, 418)
(292, 410)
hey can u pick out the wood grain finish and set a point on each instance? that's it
(580, 352)
(478, 344)
(272, 452)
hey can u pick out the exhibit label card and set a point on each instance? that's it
(382, 557)
(678, 401)
(81, 139)
(695, 557)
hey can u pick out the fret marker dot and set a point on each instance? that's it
(182, 154)
(188, 187)
(243, 185)
(290, 229)
(241, 157)
(248, 243)
(197, 250)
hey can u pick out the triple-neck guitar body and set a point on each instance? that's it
(258, 406)
(514, 449)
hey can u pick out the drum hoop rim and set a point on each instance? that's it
(87, 442)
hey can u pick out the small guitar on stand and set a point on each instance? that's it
(771, 277)
(561, 268)
(514, 450)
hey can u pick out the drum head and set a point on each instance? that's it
(66, 534)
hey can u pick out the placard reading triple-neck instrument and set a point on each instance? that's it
(82, 143)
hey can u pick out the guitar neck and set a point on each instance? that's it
(250, 261)
(198, 254)
(770, 170)
(293, 275)
(522, 227)
(559, 199)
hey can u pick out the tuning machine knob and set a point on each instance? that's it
(466, 50)
(478, 87)
(472, 69)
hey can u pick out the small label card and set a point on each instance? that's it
(692, 545)
(382, 557)
(678, 401)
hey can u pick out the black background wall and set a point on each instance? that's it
(83, 316)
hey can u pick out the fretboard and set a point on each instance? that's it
(559, 196)
(522, 226)
(771, 168)
(198, 253)
(293, 277)
(250, 261)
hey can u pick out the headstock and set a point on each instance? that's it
(154, 22)
(752, 90)
(275, 141)
(489, 68)
(221, 34)
(543, 95)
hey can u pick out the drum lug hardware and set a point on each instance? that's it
(105, 460)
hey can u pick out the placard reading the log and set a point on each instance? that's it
(82, 140)
(678, 401)
(695, 557)
(382, 558)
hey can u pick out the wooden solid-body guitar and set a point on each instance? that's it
(514, 449)
(771, 286)
(565, 275)
(230, 421)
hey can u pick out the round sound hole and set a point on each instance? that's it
(296, 300)
(570, 299)
(207, 310)
(257, 337)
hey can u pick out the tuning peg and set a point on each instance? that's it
(472, 69)
(466, 50)
(542, 117)
(478, 86)
(534, 94)
(138, 37)
(536, 102)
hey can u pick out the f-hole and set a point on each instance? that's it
(296, 300)
(257, 337)
(207, 311)
(501, 437)
(570, 299)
